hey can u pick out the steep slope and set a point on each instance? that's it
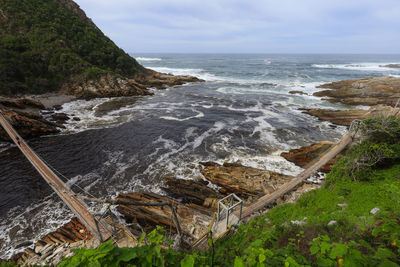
(46, 43)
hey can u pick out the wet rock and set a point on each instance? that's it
(367, 91)
(76, 118)
(28, 125)
(305, 155)
(297, 92)
(24, 244)
(190, 191)
(57, 107)
(60, 117)
(242, 180)
(148, 218)
(345, 117)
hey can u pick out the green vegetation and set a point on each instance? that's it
(44, 44)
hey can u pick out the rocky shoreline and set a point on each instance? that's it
(26, 112)
(198, 199)
(195, 208)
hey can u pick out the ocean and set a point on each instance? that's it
(243, 112)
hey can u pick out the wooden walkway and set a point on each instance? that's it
(299, 179)
(98, 228)
(219, 229)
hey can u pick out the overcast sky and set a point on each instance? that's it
(249, 26)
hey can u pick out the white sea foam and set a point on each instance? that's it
(148, 59)
(358, 66)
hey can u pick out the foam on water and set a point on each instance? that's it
(146, 59)
(359, 66)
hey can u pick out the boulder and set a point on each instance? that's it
(60, 117)
(244, 181)
(305, 155)
(367, 91)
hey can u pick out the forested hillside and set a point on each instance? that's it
(44, 43)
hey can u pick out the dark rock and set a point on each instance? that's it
(297, 92)
(57, 107)
(24, 244)
(232, 164)
(60, 117)
(76, 118)
(394, 66)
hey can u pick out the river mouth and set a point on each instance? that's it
(242, 113)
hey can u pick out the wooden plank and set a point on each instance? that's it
(96, 227)
(268, 199)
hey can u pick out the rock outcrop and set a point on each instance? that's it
(189, 191)
(112, 85)
(367, 91)
(28, 124)
(20, 103)
(305, 155)
(193, 219)
(106, 86)
(54, 246)
(244, 181)
(393, 66)
(345, 117)
(162, 80)
(339, 117)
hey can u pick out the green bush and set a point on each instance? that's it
(379, 145)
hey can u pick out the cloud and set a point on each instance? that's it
(248, 26)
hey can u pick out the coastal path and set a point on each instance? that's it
(221, 228)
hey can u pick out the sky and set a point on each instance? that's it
(249, 26)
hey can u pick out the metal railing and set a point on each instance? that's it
(227, 205)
